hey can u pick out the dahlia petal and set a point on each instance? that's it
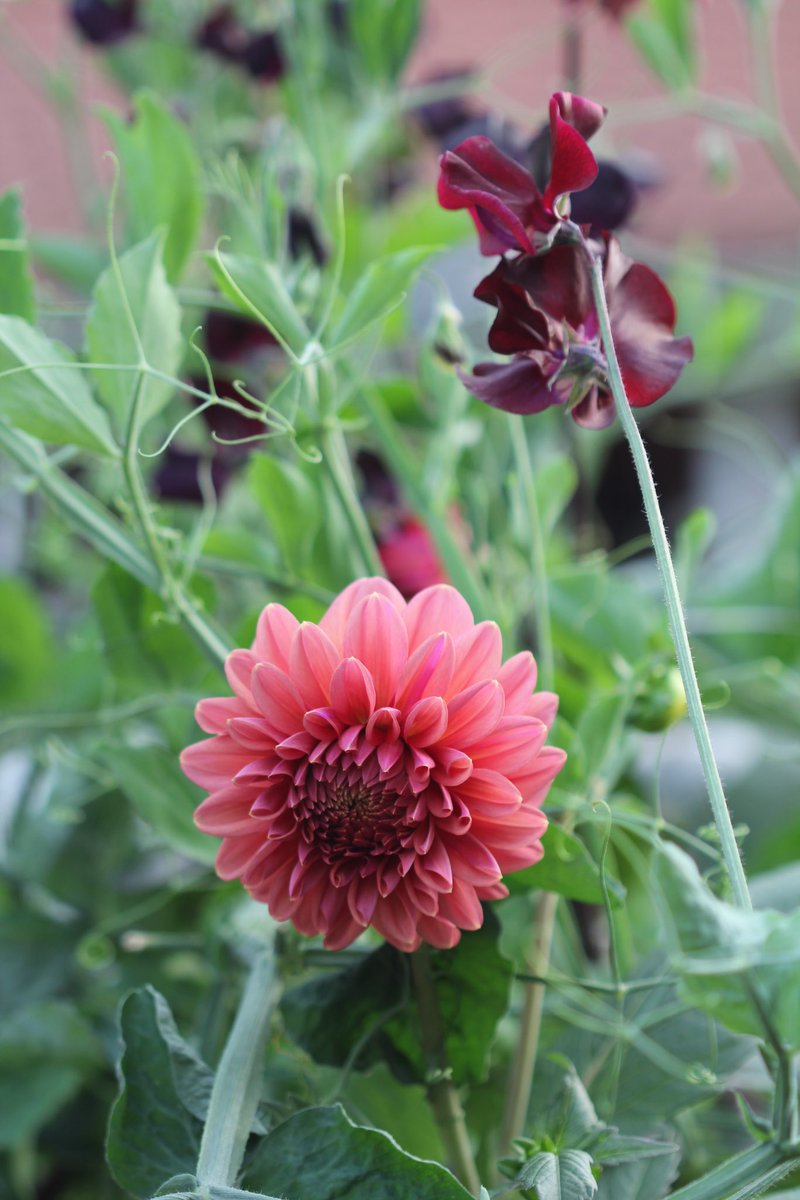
(212, 715)
(235, 853)
(334, 621)
(376, 635)
(474, 713)
(422, 899)
(394, 919)
(462, 906)
(362, 897)
(471, 860)
(517, 858)
(479, 654)
(453, 767)
(543, 770)
(517, 677)
(519, 386)
(278, 699)
(426, 721)
(438, 932)
(305, 877)
(435, 867)
(428, 671)
(520, 832)
(389, 754)
(490, 793)
(297, 746)
(212, 764)
(494, 891)
(274, 634)
(352, 692)
(383, 726)
(252, 733)
(500, 194)
(573, 165)
(238, 671)
(543, 706)
(342, 933)
(312, 660)
(438, 609)
(322, 724)
(226, 813)
(512, 746)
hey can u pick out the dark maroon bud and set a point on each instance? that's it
(304, 237)
(379, 487)
(608, 202)
(222, 34)
(263, 57)
(104, 22)
(178, 476)
(229, 337)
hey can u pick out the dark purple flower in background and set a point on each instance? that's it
(259, 53)
(304, 237)
(229, 336)
(264, 58)
(509, 209)
(104, 22)
(178, 476)
(546, 321)
(222, 34)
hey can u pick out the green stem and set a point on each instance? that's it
(337, 462)
(722, 817)
(746, 1175)
(776, 140)
(237, 1084)
(442, 1093)
(541, 590)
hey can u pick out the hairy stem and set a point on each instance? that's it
(719, 806)
(524, 1065)
(237, 1083)
(442, 1093)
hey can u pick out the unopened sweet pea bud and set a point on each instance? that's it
(660, 700)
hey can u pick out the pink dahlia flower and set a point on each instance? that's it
(383, 768)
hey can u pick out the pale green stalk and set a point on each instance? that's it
(694, 702)
(237, 1083)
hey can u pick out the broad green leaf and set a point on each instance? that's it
(25, 644)
(291, 504)
(35, 954)
(162, 795)
(45, 396)
(743, 967)
(156, 1122)
(257, 289)
(150, 303)
(555, 481)
(161, 173)
(693, 539)
(320, 1154)
(381, 287)
(329, 1015)
(46, 1052)
(564, 1176)
(192, 1189)
(16, 280)
(566, 868)
(644, 1178)
(73, 260)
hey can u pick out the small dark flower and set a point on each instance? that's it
(263, 57)
(508, 208)
(178, 476)
(229, 337)
(104, 22)
(440, 118)
(608, 202)
(304, 237)
(547, 322)
(222, 34)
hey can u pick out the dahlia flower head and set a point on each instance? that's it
(384, 767)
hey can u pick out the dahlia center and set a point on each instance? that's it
(350, 811)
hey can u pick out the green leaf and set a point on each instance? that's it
(693, 539)
(156, 1122)
(48, 398)
(647, 1178)
(384, 33)
(330, 1015)
(664, 35)
(291, 504)
(192, 1189)
(73, 260)
(46, 1051)
(319, 1154)
(25, 644)
(741, 966)
(566, 868)
(380, 288)
(161, 176)
(564, 1176)
(162, 795)
(151, 304)
(16, 281)
(256, 287)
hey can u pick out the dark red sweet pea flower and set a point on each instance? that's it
(509, 210)
(104, 22)
(546, 320)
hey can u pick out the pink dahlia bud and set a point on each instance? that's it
(383, 768)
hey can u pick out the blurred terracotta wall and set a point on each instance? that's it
(518, 41)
